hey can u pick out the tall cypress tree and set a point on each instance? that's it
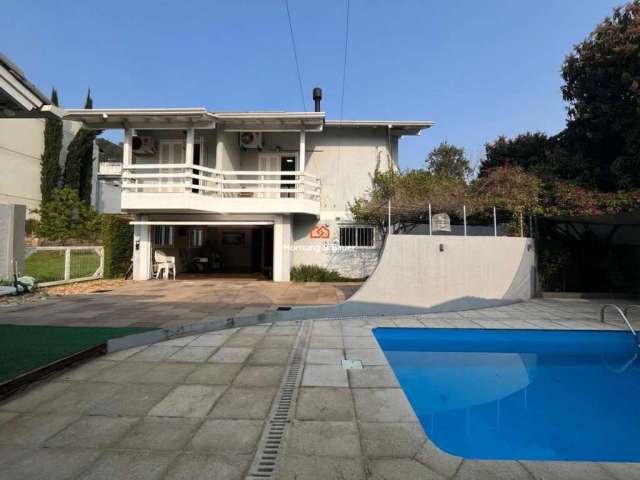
(50, 160)
(79, 165)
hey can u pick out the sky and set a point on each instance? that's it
(478, 69)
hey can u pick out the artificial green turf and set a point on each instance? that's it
(25, 348)
(48, 265)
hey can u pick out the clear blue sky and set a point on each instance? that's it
(477, 68)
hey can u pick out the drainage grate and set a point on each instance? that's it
(270, 445)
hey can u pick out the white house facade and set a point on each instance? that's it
(249, 192)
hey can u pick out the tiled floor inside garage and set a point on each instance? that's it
(196, 407)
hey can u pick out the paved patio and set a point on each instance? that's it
(195, 407)
(160, 303)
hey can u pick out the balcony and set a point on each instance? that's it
(110, 169)
(193, 188)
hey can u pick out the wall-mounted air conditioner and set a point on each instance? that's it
(142, 145)
(251, 140)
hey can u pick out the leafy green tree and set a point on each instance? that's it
(410, 193)
(66, 217)
(602, 87)
(530, 151)
(50, 160)
(79, 165)
(449, 161)
(510, 188)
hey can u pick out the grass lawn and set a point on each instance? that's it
(48, 266)
(25, 348)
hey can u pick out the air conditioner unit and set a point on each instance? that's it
(143, 145)
(251, 140)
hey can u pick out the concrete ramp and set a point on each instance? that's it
(423, 274)
(449, 273)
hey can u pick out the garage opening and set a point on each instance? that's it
(199, 250)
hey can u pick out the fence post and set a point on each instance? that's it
(495, 223)
(464, 216)
(100, 252)
(429, 219)
(67, 263)
(389, 218)
(521, 226)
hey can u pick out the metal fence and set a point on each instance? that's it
(463, 221)
(58, 265)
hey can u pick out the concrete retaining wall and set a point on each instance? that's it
(12, 223)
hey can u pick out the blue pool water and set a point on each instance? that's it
(522, 394)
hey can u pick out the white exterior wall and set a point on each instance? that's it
(21, 148)
(12, 219)
(345, 159)
(108, 196)
(353, 262)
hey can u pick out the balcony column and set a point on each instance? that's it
(301, 164)
(127, 148)
(127, 158)
(302, 155)
(188, 157)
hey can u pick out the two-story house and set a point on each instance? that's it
(254, 192)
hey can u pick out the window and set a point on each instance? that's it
(196, 238)
(163, 235)
(357, 237)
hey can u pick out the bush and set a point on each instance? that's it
(117, 236)
(315, 273)
(66, 217)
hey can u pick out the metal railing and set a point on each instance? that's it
(182, 178)
(59, 265)
(622, 314)
(630, 307)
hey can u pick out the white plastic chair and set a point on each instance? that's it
(164, 264)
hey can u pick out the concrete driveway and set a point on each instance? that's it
(160, 303)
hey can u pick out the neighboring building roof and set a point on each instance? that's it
(150, 118)
(105, 118)
(17, 93)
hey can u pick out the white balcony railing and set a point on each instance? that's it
(110, 168)
(194, 179)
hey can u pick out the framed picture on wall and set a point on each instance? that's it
(232, 238)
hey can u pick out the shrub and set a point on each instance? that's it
(117, 236)
(66, 217)
(315, 273)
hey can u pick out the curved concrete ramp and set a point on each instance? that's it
(422, 274)
(447, 273)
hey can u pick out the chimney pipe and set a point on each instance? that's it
(317, 96)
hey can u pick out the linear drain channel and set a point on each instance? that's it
(271, 443)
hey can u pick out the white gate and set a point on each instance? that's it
(59, 265)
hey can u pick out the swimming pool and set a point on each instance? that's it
(521, 394)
